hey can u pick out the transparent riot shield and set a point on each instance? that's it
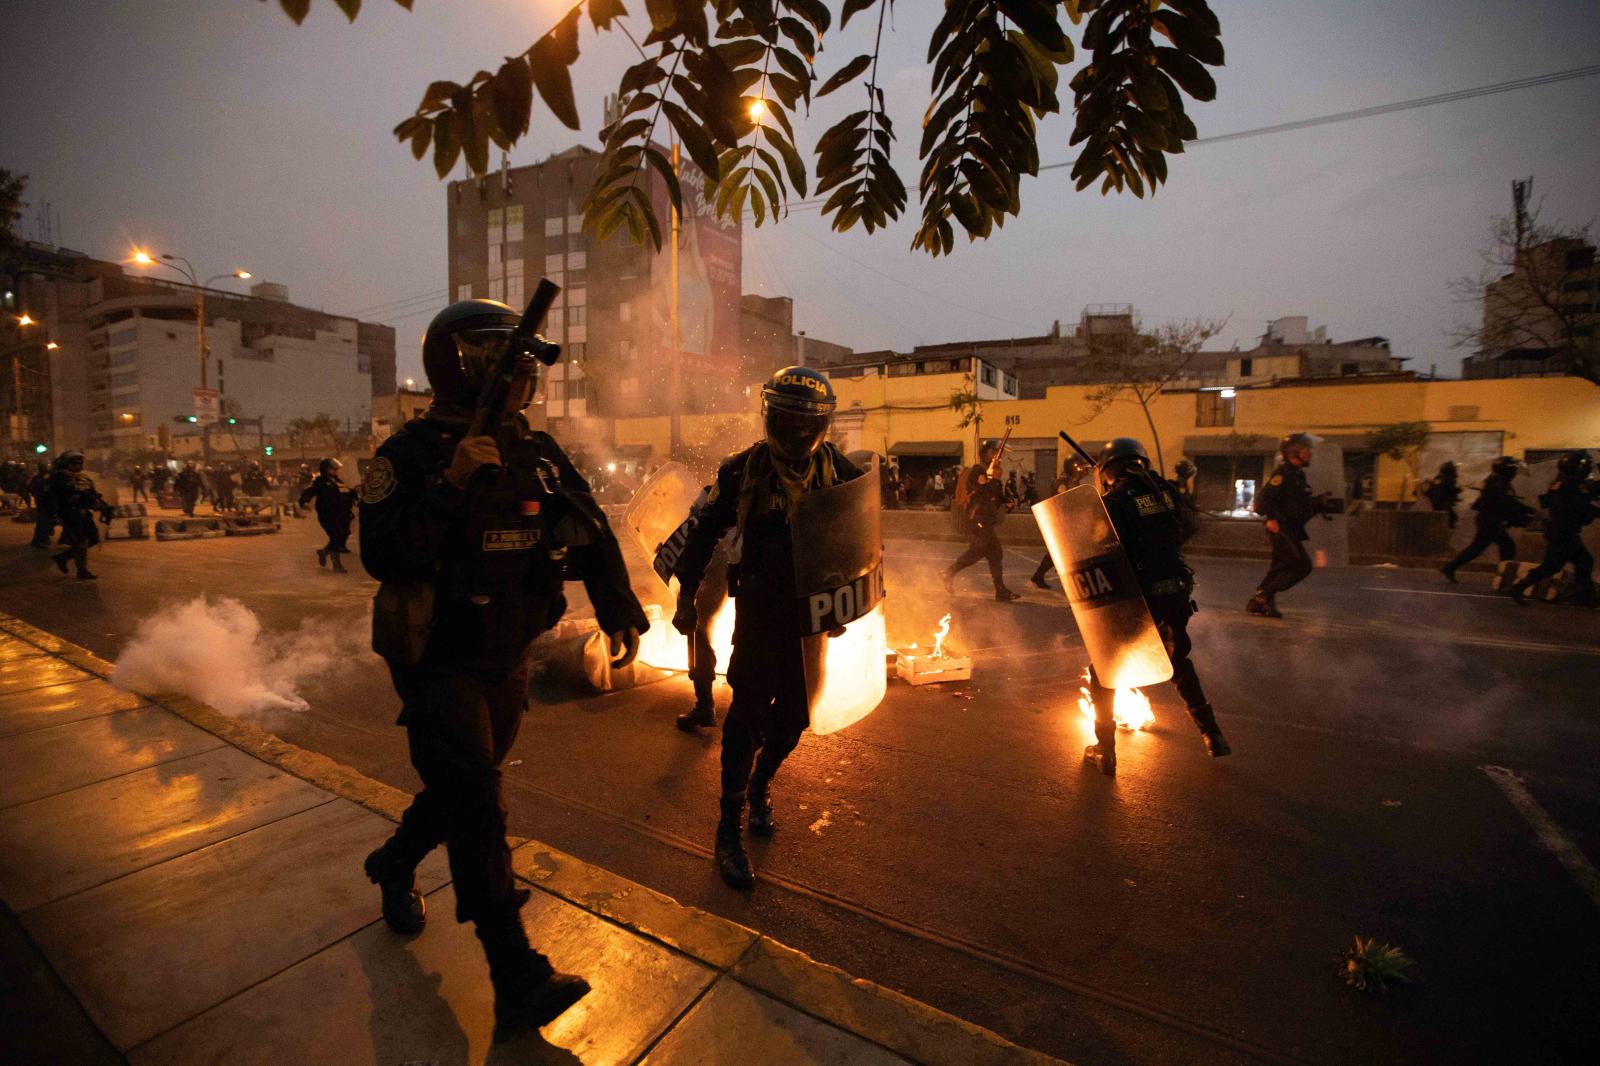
(655, 516)
(1533, 480)
(838, 568)
(1330, 534)
(1103, 590)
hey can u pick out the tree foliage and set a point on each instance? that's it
(726, 78)
(1402, 442)
(1138, 367)
(12, 186)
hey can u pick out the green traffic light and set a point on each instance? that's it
(40, 449)
(194, 418)
(233, 421)
(267, 448)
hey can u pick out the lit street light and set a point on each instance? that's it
(51, 346)
(142, 258)
(25, 319)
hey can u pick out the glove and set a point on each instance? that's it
(624, 646)
(470, 454)
(684, 618)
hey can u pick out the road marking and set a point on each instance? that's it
(1545, 828)
(1434, 592)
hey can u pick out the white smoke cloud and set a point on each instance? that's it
(217, 653)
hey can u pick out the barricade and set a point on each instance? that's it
(255, 505)
(249, 525)
(129, 521)
(189, 528)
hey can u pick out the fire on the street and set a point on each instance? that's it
(1130, 708)
(665, 648)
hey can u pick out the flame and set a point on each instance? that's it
(665, 648)
(938, 638)
(1130, 708)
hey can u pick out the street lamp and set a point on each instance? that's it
(143, 258)
(25, 319)
(51, 346)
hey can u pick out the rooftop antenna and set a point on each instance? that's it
(1520, 191)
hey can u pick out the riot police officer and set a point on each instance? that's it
(77, 504)
(1497, 509)
(188, 487)
(1287, 504)
(755, 492)
(1152, 522)
(44, 505)
(1443, 490)
(335, 508)
(980, 507)
(469, 536)
(1570, 505)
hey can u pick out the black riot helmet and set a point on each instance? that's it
(1505, 466)
(1292, 441)
(1118, 455)
(461, 345)
(796, 406)
(328, 466)
(1576, 465)
(1184, 469)
(72, 462)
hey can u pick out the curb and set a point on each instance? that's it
(880, 1015)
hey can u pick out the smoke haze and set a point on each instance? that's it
(217, 653)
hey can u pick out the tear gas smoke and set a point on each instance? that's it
(216, 652)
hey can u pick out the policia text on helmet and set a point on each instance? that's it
(796, 406)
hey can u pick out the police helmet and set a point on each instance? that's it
(1295, 440)
(461, 345)
(1184, 468)
(328, 465)
(1121, 448)
(1575, 465)
(1505, 466)
(71, 460)
(796, 405)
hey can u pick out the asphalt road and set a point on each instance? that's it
(953, 845)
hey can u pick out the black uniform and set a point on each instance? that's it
(1570, 506)
(77, 504)
(985, 510)
(469, 580)
(1442, 494)
(1153, 522)
(44, 509)
(1286, 499)
(769, 709)
(336, 504)
(1497, 508)
(188, 489)
(137, 482)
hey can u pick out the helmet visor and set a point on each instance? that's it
(479, 348)
(794, 435)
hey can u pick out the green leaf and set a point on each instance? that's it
(512, 89)
(695, 141)
(550, 59)
(351, 8)
(296, 9)
(446, 146)
(663, 167)
(791, 159)
(603, 12)
(802, 37)
(1193, 78)
(438, 94)
(1038, 21)
(853, 7)
(849, 72)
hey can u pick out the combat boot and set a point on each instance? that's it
(1263, 605)
(1210, 733)
(529, 993)
(1103, 756)
(732, 862)
(338, 563)
(1449, 573)
(1519, 593)
(322, 557)
(704, 712)
(404, 909)
(762, 823)
(1005, 595)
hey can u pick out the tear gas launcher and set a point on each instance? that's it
(516, 363)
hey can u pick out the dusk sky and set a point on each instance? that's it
(218, 130)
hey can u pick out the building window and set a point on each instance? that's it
(575, 316)
(127, 358)
(988, 375)
(1247, 366)
(576, 352)
(1213, 409)
(463, 226)
(579, 276)
(1347, 369)
(577, 296)
(625, 311)
(497, 289)
(625, 347)
(125, 336)
(552, 264)
(577, 389)
(463, 292)
(1011, 386)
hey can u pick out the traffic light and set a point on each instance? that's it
(40, 449)
(185, 418)
(233, 421)
(267, 448)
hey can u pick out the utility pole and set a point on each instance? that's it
(675, 392)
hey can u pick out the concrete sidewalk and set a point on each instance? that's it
(196, 884)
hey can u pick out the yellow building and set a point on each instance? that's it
(1230, 434)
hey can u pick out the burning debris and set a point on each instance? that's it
(1130, 708)
(938, 665)
(1369, 966)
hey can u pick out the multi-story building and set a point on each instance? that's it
(108, 359)
(614, 315)
(1541, 319)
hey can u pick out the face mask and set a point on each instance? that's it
(479, 349)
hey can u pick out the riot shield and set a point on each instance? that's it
(656, 516)
(1103, 590)
(1330, 534)
(838, 569)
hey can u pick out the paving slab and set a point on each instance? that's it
(46, 761)
(12, 649)
(735, 1023)
(62, 844)
(155, 948)
(58, 704)
(36, 672)
(376, 999)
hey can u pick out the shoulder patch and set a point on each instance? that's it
(379, 482)
(1277, 479)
